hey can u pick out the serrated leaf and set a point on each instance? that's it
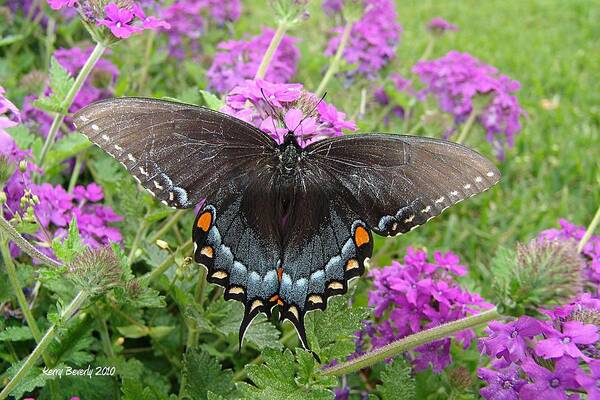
(60, 83)
(22, 136)
(397, 381)
(284, 376)
(331, 333)
(34, 379)
(134, 389)
(15, 334)
(212, 101)
(66, 147)
(66, 249)
(203, 374)
(261, 332)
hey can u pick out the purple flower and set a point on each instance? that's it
(58, 4)
(373, 39)
(549, 385)
(436, 354)
(460, 82)
(149, 22)
(238, 60)
(417, 295)
(223, 11)
(510, 340)
(591, 250)
(57, 208)
(502, 385)
(560, 343)
(261, 103)
(332, 7)
(342, 393)
(439, 25)
(591, 383)
(119, 20)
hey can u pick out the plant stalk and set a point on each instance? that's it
(410, 342)
(25, 245)
(165, 265)
(69, 311)
(589, 231)
(68, 100)
(335, 62)
(264, 64)
(167, 225)
(467, 126)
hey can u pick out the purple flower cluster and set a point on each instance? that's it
(98, 86)
(188, 24)
(462, 83)
(545, 359)
(590, 252)
(438, 26)
(57, 207)
(373, 39)
(418, 295)
(123, 19)
(238, 60)
(277, 108)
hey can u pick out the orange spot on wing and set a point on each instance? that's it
(279, 274)
(361, 236)
(204, 221)
(276, 299)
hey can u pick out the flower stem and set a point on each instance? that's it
(264, 64)
(467, 126)
(21, 299)
(412, 341)
(428, 49)
(136, 243)
(335, 62)
(589, 231)
(25, 245)
(167, 225)
(75, 173)
(69, 311)
(68, 100)
(158, 271)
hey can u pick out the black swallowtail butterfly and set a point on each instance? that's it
(282, 225)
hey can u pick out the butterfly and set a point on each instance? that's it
(282, 225)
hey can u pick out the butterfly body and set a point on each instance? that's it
(283, 225)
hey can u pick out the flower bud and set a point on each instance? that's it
(460, 378)
(3, 197)
(162, 244)
(23, 166)
(96, 270)
(290, 11)
(536, 275)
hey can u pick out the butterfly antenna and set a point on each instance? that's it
(311, 111)
(273, 111)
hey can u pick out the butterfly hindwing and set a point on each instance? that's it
(178, 152)
(235, 238)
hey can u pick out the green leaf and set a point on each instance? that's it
(15, 334)
(397, 381)
(66, 249)
(66, 147)
(261, 332)
(60, 83)
(212, 101)
(283, 376)
(203, 374)
(34, 379)
(134, 389)
(331, 333)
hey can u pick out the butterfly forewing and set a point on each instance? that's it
(400, 182)
(178, 152)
